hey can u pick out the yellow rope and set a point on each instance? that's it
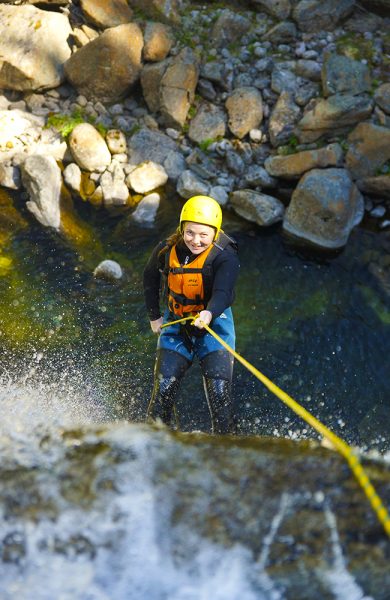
(342, 447)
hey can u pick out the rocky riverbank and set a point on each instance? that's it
(279, 110)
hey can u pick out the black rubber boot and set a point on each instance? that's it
(219, 397)
(169, 369)
(217, 369)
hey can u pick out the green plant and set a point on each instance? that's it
(204, 144)
(65, 123)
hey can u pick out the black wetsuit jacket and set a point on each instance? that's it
(225, 268)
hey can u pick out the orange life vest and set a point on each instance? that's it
(186, 286)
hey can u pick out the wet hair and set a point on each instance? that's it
(172, 240)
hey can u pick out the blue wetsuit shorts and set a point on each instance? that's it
(173, 337)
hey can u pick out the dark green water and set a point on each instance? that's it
(319, 328)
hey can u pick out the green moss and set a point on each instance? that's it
(355, 46)
(204, 144)
(65, 123)
(376, 304)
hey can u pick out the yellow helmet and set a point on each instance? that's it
(202, 209)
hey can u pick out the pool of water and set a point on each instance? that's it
(317, 326)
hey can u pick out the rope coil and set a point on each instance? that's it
(342, 447)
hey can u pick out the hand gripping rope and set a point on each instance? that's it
(342, 447)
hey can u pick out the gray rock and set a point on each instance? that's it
(209, 123)
(108, 269)
(33, 48)
(235, 163)
(174, 165)
(201, 164)
(257, 207)
(228, 28)
(317, 15)
(150, 145)
(324, 208)
(177, 88)
(306, 92)
(146, 210)
(283, 80)
(151, 76)
(284, 32)
(72, 177)
(309, 69)
(341, 74)
(245, 110)
(375, 186)
(256, 176)
(220, 194)
(190, 184)
(206, 90)
(332, 114)
(114, 190)
(42, 179)
(283, 119)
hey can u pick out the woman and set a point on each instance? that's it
(199, 267)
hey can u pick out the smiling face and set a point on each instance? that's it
(198, 237)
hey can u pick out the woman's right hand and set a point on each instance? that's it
(156, 325)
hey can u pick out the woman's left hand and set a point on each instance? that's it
(205, 316)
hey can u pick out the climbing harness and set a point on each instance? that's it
(342, 447)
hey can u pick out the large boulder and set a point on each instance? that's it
(106, 13)
(33, 48)
(294, 165)
(316, 15)
(245, 110)
(333, 114)
(257, 207)
(341, 74)
(88, 148)
(90, 69)
(42, 179)
(369, 149)
(177, 88)
(324, 208)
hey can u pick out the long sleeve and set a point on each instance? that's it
(226, 267)
(151, 283)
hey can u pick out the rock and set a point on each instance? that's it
(382, 97)
(220, 194)
(341, 74)
(151, 76)
(309, 69)
(281, 33)
(106, 13)
(177, 88)
(283, 80)
(9, 176)
(277, 8)
(114, 190)
(332, 114)
(108, 269)
(257, 176)
(306, 92)
(88, 148)
(189, 185)
(147, 177)
(294, 165)
(202, 165)
(283, 119)
(42, 179)
(209, 123)
(245, 110)
(116, 141)
(150, 145)
(72, 177)
(369, 149)
(257, 207)
(146, 210)
(33, 48)
(324, 208)
(316, 15)
(174, 165)
(375, 186)
(14, 125)
(167, 11)
(90, 70)
(229, 28)
(158, 40)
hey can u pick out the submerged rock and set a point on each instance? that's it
(108, 269)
